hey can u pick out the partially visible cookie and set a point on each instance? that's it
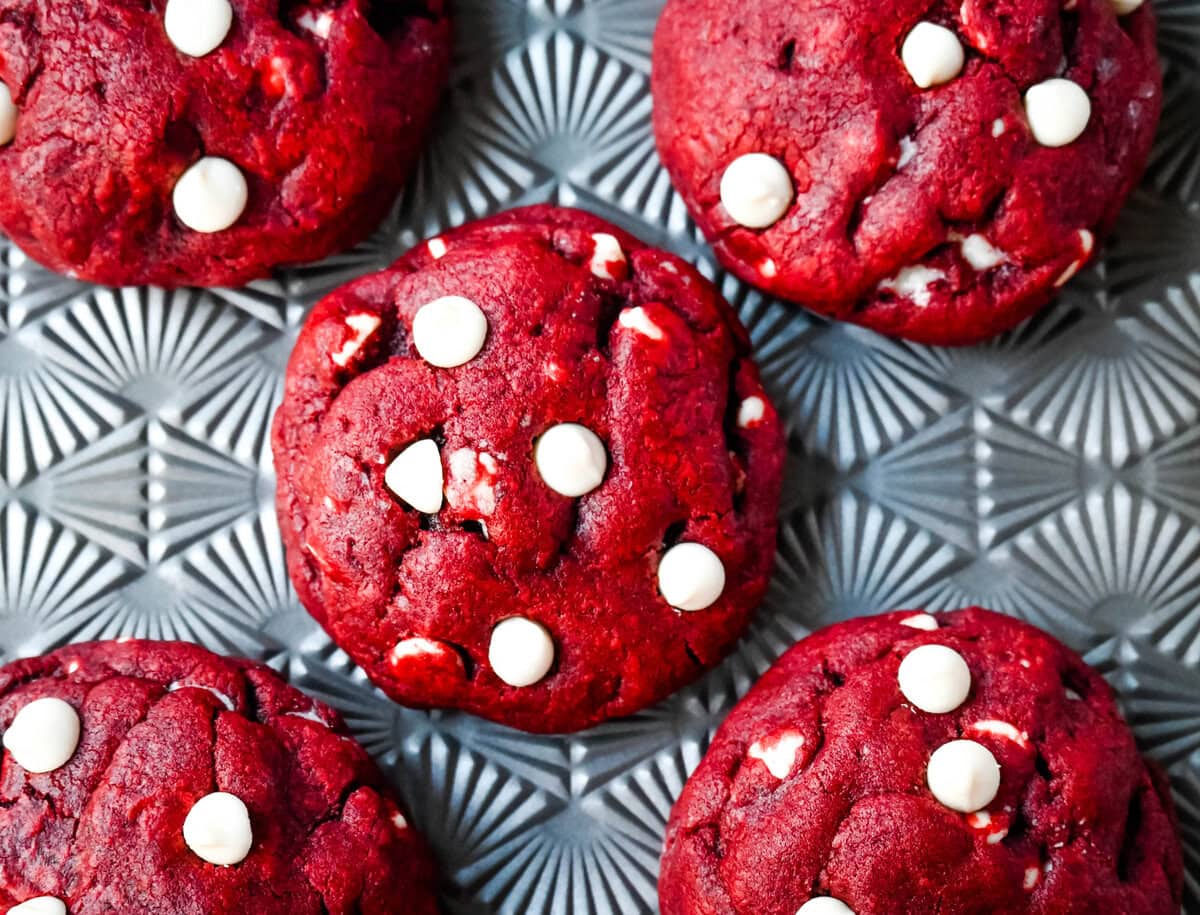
(931, 172)
(205, 142)
(530, 471)
(158, 777)
(955, 763)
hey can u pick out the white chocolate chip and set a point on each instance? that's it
(521, 651)
(607, 252)
(449, 332)
(417, 646)
(980, 253)
(471, 487)
(913, 283)
(309, 715)
(220, 696)
(1125, 7)
(935, 679)
(399, 821)
(636, 319)
(1087, 242)
(40, 905)
(999, 127)
(908, 151)
(963, 775)
(768, 269)
(44, 735)
(437, 248)
(571, 459)
(416, 476)
(197, 27)
(756, 190)
(778, 753)
(217, 828)
(825, 905)
(319, 23)
(1002, 729)
(932, 55)
(211, 195)
(362, 326)
(1058, 112)
(921, 621)
(1032, 875)
(691, 576)
(751, 412)
(8, 116)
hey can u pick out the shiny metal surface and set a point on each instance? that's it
(1054, 473)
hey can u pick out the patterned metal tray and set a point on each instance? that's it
(1054, 473)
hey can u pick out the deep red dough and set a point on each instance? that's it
(374, 573)
(104, 833)
(111, 114)
(821, 87)
(855, 820)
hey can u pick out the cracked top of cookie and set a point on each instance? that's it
(931, 171)
(204, 142)
(158, 777)
(529, 471)
(957, 763)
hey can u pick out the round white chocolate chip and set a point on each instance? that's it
(449, 332)
(691, 576)
(44, 735)
(935, 679)
(211, 195)
(1125, 7)
(921, 621)
(217, 828)
(825, 905)
(756, 190)
(1058, 112)
(416, 476)
(40, 905)
(571, 459)
(932, 54)
(8, 116)
(521, 651)
(963, 775)
(197, 27)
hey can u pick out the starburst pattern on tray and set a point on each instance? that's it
(1051, 473)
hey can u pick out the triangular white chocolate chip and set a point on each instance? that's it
(416, 477)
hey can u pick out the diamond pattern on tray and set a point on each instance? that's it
(1053, 473)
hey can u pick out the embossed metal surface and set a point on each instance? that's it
(1054, 473)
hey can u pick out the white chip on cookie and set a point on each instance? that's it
(197, 27)
(963, 775)
(217, 829)
(450, 331)
(8, 116)
(211, 195)
(1058, 111)
(416, 476)
(571, 459)
(756, 190)
(932, 55)
(521, 651)
(44, 735)
(935, 679)
(691, 576)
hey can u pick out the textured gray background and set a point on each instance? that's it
(1054, 473)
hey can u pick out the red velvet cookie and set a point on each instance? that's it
(907, 763)
(931, 171)
(204, 142)
(159, 777)
(529, 471)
